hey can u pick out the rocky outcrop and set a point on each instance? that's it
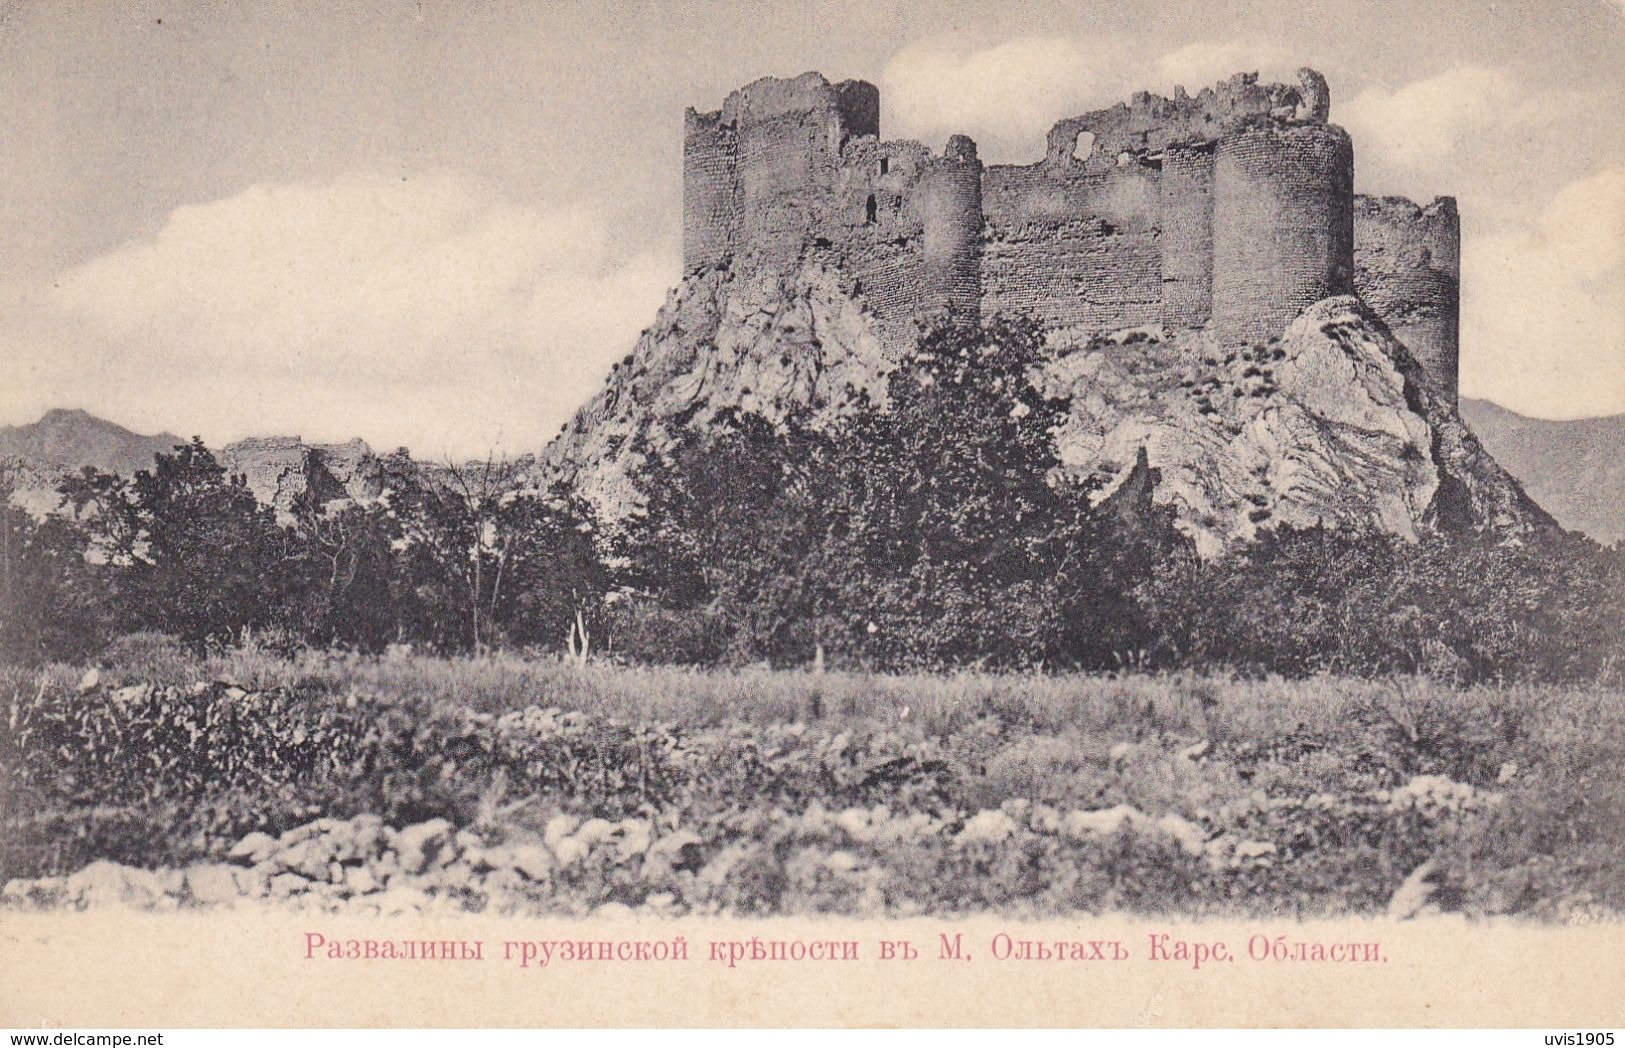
(771, 344)
(1335, 422)
(282, 471)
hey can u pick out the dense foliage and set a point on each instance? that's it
(937, 530)
(933, 528)
(454, 559)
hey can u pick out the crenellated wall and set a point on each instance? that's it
(1233, 208)
(1408, 270)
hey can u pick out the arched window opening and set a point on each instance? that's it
(869, 211)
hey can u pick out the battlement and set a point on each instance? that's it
(1231, 209)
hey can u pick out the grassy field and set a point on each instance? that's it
(779, 792)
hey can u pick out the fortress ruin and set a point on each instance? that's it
(1233, 209)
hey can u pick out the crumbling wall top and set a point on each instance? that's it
(855, 103)
(1148, 123)
(1404, 209)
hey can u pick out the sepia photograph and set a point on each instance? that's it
(760, 502)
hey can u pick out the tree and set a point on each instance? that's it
(210, 563)
(51, 598)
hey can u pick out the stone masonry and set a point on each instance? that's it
(1231, 210)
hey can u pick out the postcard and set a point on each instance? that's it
(840, 514)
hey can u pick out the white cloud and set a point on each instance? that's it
(1429, 120)
(1206, 62)
(1543, 308)
(1006, 97)
(430, 311)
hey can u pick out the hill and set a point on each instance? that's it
(66, 439)
(1573, 468)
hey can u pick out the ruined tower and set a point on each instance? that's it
(1232, 209)
(1407, 268)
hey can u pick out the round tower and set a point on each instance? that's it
(949, 203)
(710, 217)
(1408, 270)
(1283, 226)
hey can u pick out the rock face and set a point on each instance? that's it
(1334, 423)
(769, 343)
(281, 471)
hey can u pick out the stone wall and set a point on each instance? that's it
(1233, 208)
(1073, 244)
(1149, 123)
(1187, 235)
(710, 190)
(1408, 269)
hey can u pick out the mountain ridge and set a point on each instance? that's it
(1572, 467)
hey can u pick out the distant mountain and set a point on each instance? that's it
(67, 439)
(1574, 469)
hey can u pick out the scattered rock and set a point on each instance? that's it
(1080, 824)
(92, 677)
(213, 884)
(1190, 837)
(254, 849)
(360, 880)
(286, 885)
(132, 694)
(532, 860)
(988, 826)
(1195, 752)
(420, 845)
(675, 852)
(1254, 851)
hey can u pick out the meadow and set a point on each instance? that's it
(530, 784)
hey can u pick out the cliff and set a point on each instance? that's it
(1334, 422)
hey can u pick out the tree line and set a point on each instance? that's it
(932, 529)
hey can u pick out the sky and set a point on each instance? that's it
(436, 225)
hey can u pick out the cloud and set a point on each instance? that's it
(1009, 95)
(1006, 97)
(1206, 62)
(1430, 120)
(1543, 308)
(430, 310)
